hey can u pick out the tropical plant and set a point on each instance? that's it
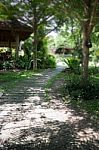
(73, 63)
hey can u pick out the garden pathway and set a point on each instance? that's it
(29, 122)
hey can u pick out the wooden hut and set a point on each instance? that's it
(12, 32)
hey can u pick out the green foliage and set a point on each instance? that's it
(93, 70)
(23, 62)
(92, 106)
(47, 61)
(28, 46)
(1, 65)
(50, 61)
(41, 59)
(77, 90)
(8, 65)
(7, 11)
(44, 59)
(73, 63)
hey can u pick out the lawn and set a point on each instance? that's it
(9, 79)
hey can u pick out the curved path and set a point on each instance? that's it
(29, 122)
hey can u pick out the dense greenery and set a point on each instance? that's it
(75, 89)
(25, 60)
(73, 63)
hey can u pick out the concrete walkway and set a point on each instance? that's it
(29, 90)
(24, 107)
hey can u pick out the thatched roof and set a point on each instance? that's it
(10, 28)
(14, 25)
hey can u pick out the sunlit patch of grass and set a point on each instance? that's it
(14, 75)
(91, 107)
(9, 79)
(51, 81)
(49, 84)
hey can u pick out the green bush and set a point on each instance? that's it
(76, 90)
(1, 65)
(93, 70)
(47, 61)
(8, 65)
(50, 61)
(41, 59)
(23, 62)
(73, 63)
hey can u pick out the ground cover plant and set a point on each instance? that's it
(72, 92)
(8, 79)
(77, 90)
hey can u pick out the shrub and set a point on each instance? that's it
(93, 70)
(76, 90)
(1, 65)
(23, 62)
(45, 61)
(41, 59)
(50, 61)
(8, 65)
(73, 63)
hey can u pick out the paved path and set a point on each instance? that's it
(24, 107)
(29, 122)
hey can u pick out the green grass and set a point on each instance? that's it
(92, 107)
(9, 79)
(49, 84)
(51, 81)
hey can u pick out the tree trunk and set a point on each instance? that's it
(17, 46)
(85, 60)
(88, 24)
(85, 51)
(35, 55)
(35, 40)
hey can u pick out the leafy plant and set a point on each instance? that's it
(93, 70)
(76, 90)
(73, 63)
(23, 62)
(7, 65)
(50, 61)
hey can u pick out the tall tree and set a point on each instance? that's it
(38, 14)
(89, 21)
(8, 10)
(86, 12)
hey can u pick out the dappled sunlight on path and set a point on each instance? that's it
(28, 121)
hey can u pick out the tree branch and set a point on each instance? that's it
(93, 16)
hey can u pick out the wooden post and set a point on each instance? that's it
(17, 46)
(10, 44)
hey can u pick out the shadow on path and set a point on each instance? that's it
(28, 122)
